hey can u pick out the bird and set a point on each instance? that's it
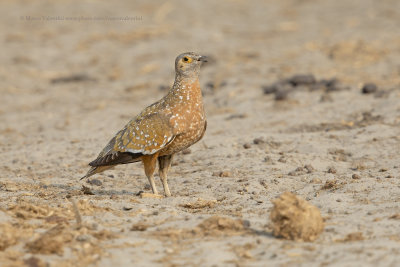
(162, 129)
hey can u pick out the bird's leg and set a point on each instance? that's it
(164, 163)
(149, 162)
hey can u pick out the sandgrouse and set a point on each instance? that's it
(164, 128)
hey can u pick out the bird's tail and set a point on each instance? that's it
(94, 170)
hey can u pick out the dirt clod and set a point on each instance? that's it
(309, 168)
(332, 170)
(139, 227)
(86, 190)
(295, 219)
(297, 171)
(217, 226)
(332, 185)
(258, 141)
(247, 146)
(8, 237)
(200, 204)
(356, 236)
(34, 262)
(316, 181)
(222, 174)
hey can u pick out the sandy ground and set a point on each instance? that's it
(67, 86)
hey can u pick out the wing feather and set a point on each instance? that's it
(144, 135)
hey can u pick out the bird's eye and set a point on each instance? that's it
(187, 59)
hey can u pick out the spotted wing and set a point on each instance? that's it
(143, 135)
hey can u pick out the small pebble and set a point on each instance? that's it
(258, 141)
(369, 88)
(222, 174)
(139, 227)
(309, 168)
(332, 170)
(267, 159)
(316, 181)
(332, 85)
(86, 190)
(210, 85)
(225, 174)
(299, 169)
(247, 146)
(270, 89)
(163, 87)
(282, 159)
(281, 95)
(83, 238)
(94, 182)
(356, 176)
(302, 79)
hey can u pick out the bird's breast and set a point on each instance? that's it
(188, 122)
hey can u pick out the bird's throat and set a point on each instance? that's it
(187, 89)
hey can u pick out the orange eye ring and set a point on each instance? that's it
(187, 59)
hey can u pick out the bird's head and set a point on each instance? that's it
(188, 64)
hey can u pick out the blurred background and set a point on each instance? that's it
(117, 48)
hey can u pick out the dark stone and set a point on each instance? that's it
(270, 89)
(258, 141)
(72, 78)
(94, 182)
(369, 88)
(281, 95)
(246, 146)
(303, 79)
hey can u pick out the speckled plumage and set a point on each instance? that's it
(164, 128)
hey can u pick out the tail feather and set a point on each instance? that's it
(111, 159)
(94, 170)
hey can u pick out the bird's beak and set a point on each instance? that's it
(202, 59)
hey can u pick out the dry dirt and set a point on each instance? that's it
(67, 86)
(294, 218)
